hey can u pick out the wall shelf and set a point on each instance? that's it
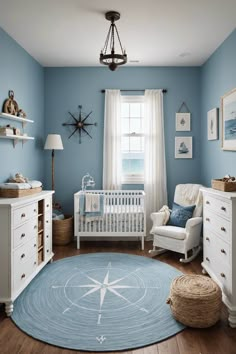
(16, 138)
(19, 119)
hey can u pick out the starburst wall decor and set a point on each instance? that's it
(80, 124)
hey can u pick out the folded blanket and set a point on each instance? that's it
(92, 203)
(91, 207)
(29, 185)
(165, 209)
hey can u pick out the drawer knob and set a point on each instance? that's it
(23, 276)
(222, 251)
(35, 226)
(47, 221)
(22, 256)
(23, 215)
(207, 238)
(35, 210)
(207, 202)
(47, 251)
(47, 205)
(223, 229)
(222, 275)
(207, 219)
(22, 235)
(35, 245)
(223, 208)
(207, 259)
(47, 236)
(35, 263)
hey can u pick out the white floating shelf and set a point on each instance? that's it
(19, 119)
(16, 138)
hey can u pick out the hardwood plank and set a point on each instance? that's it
(169, 346)
(188, 342)
(219, 339)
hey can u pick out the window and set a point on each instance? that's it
(132, 143)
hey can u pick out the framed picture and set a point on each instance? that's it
(183, 147)
(182, 122)
(228, 120)
(212, 124)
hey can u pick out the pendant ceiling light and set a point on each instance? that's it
(112, 59)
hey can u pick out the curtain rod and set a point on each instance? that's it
(164, 90)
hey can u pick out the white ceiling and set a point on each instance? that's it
(154, 32)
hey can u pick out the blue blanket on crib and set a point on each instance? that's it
(82, 206)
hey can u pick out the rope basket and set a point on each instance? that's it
(63, 231)
(195, 300)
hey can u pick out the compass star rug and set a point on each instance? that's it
(99, 302)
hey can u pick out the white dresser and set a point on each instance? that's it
(25, 242)
(219, 244)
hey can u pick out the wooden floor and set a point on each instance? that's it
(219, 339)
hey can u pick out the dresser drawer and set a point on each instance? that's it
(23, 233)
(47, 248)
(48, 220)
(21, 273)
(24, 252)
(220, 248)
(24, 213)
(219, 225)
(47, 204)
(220, 269)
(221, 207)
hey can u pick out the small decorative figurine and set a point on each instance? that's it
(10, 106)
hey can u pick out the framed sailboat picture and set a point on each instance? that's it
(228, 120)
(183, 147)
(212, 124)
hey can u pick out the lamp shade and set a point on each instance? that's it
(53, 142)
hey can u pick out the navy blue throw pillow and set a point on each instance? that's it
(180, 214)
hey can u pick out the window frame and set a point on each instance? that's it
(132, 178)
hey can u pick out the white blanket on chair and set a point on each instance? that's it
(165, 209)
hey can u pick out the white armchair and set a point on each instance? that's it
(175, 238)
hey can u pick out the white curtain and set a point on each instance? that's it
(154, 153)
(112, 140)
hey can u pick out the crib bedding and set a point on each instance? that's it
(113, 223)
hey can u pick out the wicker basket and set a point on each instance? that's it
(223, 186)
(63, 230)
(195, 300)
(17, 193)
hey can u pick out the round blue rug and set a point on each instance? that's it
(99, 302)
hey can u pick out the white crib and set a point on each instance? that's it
(123, 215)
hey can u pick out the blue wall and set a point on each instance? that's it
(218, 78)
(22, 74)
(66, 88)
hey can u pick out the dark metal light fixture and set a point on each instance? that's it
(112, 59)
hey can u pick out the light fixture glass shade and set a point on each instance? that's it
(53, 142)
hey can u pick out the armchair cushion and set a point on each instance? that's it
(180, 214)
(176, 232)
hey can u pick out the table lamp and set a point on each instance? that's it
(53, 142)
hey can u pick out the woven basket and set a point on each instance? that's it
(63, 230)
(223, 186)
(195, 300)
(17, 193)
